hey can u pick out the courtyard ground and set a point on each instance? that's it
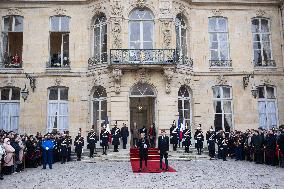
(110, 174)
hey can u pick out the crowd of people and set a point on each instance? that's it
(22, 151)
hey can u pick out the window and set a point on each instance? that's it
(262, 51)
(59, 41)
(219, 44)
(9, 108)
(184, 105)
(99, 107)
(141, 29)
(222, 102)
(12, 42)
(100, 39)
(58, 111)
(267, 107)
(142, 89)
(181, 38)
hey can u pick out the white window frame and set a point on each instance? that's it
(218, 33)
(222, 100)
(6, 33)
(181, 27)
(141, 37)
(100, 26)
(63, 33)
(58, 102)
(9, 102)
(260, 33)
(183, 99)
(266, 100)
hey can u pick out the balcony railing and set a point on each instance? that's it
(185, 60)
(264, 63)
(11, 62)
(142, 56)
(220, 63)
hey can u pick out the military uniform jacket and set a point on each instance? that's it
(104, 138)
(174, 135)
(143, 130)
(78, 143)
(199, 138)
(186, 137)
(92, 139)
(211, 140)
(64, 146)
(163, 144)
(115, 132)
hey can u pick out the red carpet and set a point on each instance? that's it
(153, 161)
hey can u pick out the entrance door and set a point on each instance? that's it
(142, 106)
(142, 111)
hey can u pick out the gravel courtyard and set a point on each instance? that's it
(190, 174)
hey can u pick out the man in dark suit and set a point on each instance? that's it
(143, 130)
(143, 145)
(124, 134)
(163, 146)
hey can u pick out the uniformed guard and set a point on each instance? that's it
(124, 134)
(47, 151)
(69, 147)
(186, 139)
(92, 140)
(104, 139)
(64, 148)
(79, 144)
(174, 136)
(143, 130)
(211, 139)
(163, 146)
(199, 138)
(143, 145)
(115, 132)
(224, 148)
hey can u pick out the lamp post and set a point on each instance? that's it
(25, 93)
(254, 91)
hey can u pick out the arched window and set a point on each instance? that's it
(100, 38)
(184, 105)
(99, 107)
(267, 107)
(58, 110)
(223, 106)
(12, 42)
(142, 89)
(262, 49)
(59, 41)
(9, 108)
(141, 29)
(181, 39)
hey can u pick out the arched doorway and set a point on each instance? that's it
(142, 105)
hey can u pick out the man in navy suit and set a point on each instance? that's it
(163, 146)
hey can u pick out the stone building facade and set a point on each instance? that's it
(84, 62)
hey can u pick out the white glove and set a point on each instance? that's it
(46, 148)
(145, 145)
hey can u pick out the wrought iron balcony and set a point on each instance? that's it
(11, 62)
(142, 56)
(185, 60)
(264, 63)
(220, 63)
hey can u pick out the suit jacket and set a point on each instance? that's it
(142, 143)
(163, 144)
